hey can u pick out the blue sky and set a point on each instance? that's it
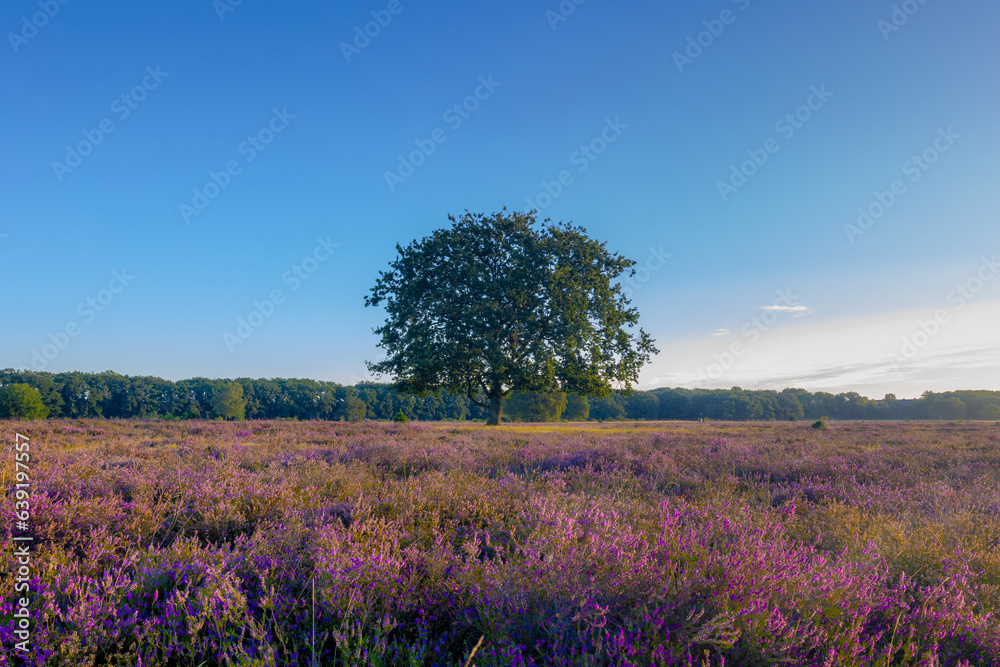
(249, 148)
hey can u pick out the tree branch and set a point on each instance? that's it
(474, 400)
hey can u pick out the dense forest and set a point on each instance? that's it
(110, 395)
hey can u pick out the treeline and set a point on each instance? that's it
(110, 395)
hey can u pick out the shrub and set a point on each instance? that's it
(819, 423)
(400, 417)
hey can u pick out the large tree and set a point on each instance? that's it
(498, 303)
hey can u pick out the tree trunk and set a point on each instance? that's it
(496, 408)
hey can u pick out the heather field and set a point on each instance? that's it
(339, 543)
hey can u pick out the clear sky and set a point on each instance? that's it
(169, 167)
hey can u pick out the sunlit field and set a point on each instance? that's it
(337, 543)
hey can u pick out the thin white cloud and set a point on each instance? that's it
(721, 332)
(796, 311)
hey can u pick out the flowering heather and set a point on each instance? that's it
(301, 543)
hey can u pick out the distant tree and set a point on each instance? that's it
(978, 404)
(457, 406)
(82, 394)
(350, 406)
(990, 412)
(494, 305)
(802, 397)
(229, 402)
(265, 399)
(677, 404)
(855, 406)
(46, 383)
(719, 404)
(430, 408)
(642, 405)
(947, 408)
(608, 408)
(21, 401)
(407, 405)
(823, 403)
(536, 406)
(577, 408)
(790, 407)
(197, 396)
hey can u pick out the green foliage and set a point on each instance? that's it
(74, 395)
(532, 406)
(229, 403)
(948, 408)
(21, 401)
(577, 408)
(400, 417)
(642, 405)
(351, 407)
(790, 405)
(819, 423)
(48, 385)
(608, 408)
(494, 305)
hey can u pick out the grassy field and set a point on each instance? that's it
(300, 543)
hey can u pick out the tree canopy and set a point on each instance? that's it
(540, 406)
(21, 401)
(496, 304)
(229, 402)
